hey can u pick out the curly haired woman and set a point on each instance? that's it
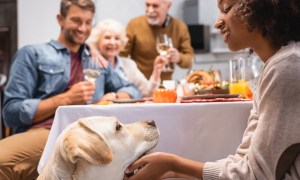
(271, 142)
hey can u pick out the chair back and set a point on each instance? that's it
(2, 82)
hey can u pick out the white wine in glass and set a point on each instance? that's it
(163, 44)
(91, 74)
(162, 48)
(91, 71)
(168, 67)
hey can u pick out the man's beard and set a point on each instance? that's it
(70, 37)
(152, 21)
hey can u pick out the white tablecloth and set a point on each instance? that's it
(199, 131)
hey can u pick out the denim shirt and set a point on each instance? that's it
(42, 71)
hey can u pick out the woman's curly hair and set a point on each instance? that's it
(277, 20)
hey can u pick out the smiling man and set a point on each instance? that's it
(46, 76)
(142, 33)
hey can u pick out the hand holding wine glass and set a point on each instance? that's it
(163, 44)
(91, 71)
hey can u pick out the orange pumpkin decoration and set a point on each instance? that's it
(163, 95)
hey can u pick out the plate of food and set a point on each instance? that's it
(210, 96)
(128, 100)
(204, 82)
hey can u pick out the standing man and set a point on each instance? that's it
(46, 76)
(142, 32)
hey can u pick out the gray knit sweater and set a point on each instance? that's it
(273, 126)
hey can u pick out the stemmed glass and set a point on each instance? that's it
(163, 44)
(91, 71)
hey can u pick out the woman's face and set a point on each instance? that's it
(232, 29)
(110, 44)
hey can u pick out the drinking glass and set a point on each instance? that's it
(91, 71)
(163, 44)
(237, 73)
(251, 72)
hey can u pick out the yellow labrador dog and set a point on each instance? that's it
(99, 148)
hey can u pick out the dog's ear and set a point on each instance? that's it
(83, 142)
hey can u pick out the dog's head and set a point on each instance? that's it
(103, 146)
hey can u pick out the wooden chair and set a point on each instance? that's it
(3, 131)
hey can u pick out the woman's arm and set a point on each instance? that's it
(96, 55)
(163, 165)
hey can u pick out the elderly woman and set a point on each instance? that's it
(109, 37)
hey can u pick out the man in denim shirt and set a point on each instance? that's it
(46, 76)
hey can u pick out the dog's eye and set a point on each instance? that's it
(118, 126)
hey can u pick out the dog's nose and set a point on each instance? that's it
(151, 123)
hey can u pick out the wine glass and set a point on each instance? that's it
(91, 71)
(163, 44)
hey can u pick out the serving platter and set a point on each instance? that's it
(128, 100)
(210, 96)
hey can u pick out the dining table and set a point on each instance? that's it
(205, 131)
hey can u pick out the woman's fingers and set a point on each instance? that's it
(135, 165)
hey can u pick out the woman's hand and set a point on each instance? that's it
(163, 165)
(153, 166)
(160, 62)
(97, 57)
(108, 97)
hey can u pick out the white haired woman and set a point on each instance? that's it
(109, 37)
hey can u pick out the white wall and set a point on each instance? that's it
(37, 19)
(128, 9)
